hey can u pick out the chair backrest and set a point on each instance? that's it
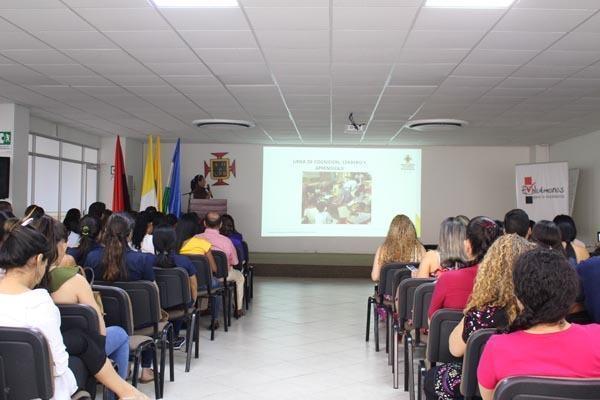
(533, 388)
(203, 272)
(78, 316)
(246, 251)
(145, 302)
(222, 264)
(173, 287)
(421, 302)
(441, 326)
(387, 274)
(406, 295)
(117, 307)
(469, 386)
(25, 365)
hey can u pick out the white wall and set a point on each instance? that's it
(456, 180)
(48, 128)
(583, 152)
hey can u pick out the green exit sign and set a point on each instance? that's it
(5, 138)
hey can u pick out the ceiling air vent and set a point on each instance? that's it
(223, 123)
(436, 125)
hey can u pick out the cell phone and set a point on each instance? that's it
(413, 268)
(598, 233)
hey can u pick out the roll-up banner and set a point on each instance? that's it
(543, 189)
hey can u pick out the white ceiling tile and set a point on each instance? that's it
(423, 56)
(219, 39)
(373, 39)
(100, 56)
(377, 3)
(206, 18)
(592, 25)
(31, 4)
(443, 39)
(107, 3)
(413, 90)
(61, 70)
(293, 39)
(230, 55)
(542, 20)
(589, 72)
(288, 18)
(46, 20)
(361, 69)
(124, 19)
(425, 74)
(442, 19)
(284, 79)
(373, 17)
(304, 69)
(515, 92)
(284, 3)
(119, 69)
(485, 69)
(238, 68)
(180, 55)
(513, 57)
(75, 40)
(19, 41)
(82, 80)
(542, 71)
(529, 82)
(246, 78)
(37, 56)
(178, 68)
(558, 4)
(275, 55)
(503, 40)
(579, 41)
(357, 54)
(462, 81)
(560, 58)
(146, 39)
(182, 81)
(20, 75)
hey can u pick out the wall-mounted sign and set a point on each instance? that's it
(220, 169)
(6, 144)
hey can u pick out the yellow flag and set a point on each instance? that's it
(158, 176)
(148, 185)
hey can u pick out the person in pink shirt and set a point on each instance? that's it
(541, 342)
(212, 223)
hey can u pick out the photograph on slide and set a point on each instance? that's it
(336, 198)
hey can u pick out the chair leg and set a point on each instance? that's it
(171, 356)
(163, 350)
(157, 388)
(251, 269)
(190, 340)
(368, 330)
(235, 299)
(376, 326)
(387, 336)
(407, 343)
(136, 367)
(422, 371)
(212, 322)
(395, 360)
(226, 310)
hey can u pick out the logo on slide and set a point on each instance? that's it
(407, 165)
(220, 169)
(531, 190)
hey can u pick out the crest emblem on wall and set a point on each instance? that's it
(219, 169)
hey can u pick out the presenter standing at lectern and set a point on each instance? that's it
(200, 188)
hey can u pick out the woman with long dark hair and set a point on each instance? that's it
(71, 223)
(546, 234)
(542, 342)
(89, 228)
(576, 251)
(453, 288)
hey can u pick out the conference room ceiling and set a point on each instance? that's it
(527, 74)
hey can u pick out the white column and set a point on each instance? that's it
(15, 119)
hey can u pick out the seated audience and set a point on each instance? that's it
(71, 223)
(116, 261)
(463, 219)
(491, 305)
(453, 288)
(96, 210)
(171, 219)
(141, 238)
(34, 212)
(589, 275)
(546, 234)
(67, 286)
(517, 221)
(6, 208)
(188, 243)
(450, 253)
(212, 223)
(542, 342)
(228, 229)
(89, 227)
(575, 249)
(25, 255)
(401, 245)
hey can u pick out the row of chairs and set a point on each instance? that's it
(407, 317)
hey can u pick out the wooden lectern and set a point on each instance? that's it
(202, 207)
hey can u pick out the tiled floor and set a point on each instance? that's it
(301, 339)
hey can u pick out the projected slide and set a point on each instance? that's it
(338, 191)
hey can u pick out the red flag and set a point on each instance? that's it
(120, 191)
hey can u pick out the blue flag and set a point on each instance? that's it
(174, 191)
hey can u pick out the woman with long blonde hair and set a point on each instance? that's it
(401, 245)
(491, 305)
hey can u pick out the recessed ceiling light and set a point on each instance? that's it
(468, 3)
(195, 3)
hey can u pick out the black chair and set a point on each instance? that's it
(85, 318)
(25, 365)
(176, 299)
(248, 271)
(384, 288)
(222, 273)
(468, 385)
(441, 326)
(533, 388)
(118, 311)
(421, 302)
(404, 308)
(206, 291)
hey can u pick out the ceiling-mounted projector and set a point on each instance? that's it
(436, 125)
(200, 123)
